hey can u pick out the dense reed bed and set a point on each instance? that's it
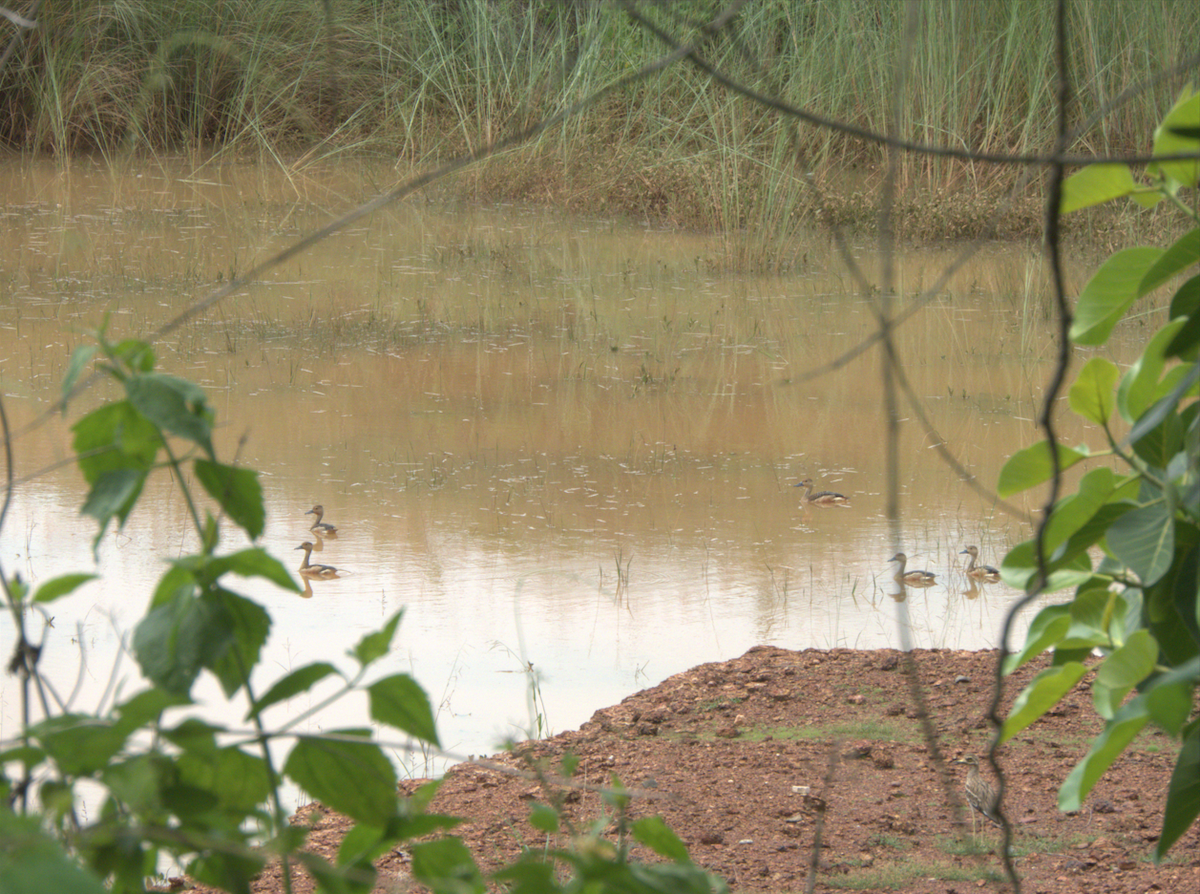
(426, 80)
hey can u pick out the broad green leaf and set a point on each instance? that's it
(400, 702)
(1033, 465)
(139, 781)
(1041, 694)
(145, 708)
(1155, 417)
(1106, 748)
(1093, 612)
(1172, 138)
(240, 782)
(1124, 669)
(228, 869)
(1139, 387)
(1109, 293)
(61, 586)
(173, 405)
(1183, 795)
(254, 562)
(300, 680)
(250, 624)
(1179, 257)
(177, 638)
(31, 862)
(1144, 540)
(1049, 626)
(79, 744)
(1092, 394)
(237, 491)
(352, 777)
(1095, 185)
(543, 818)
(446, 865)
(1097, 489)
(1169, 697)
(1184, 344)
(113, 494)
(375, 645)
(656, 835)
(1019, 569)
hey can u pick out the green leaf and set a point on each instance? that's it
(1144, 539)
(1095, 185)
(179, 637)
(61, 586)
(80, 358)
(1092, 394)
(543, 818)
(254, 562)
(1019, 569)
(1106, 748)
(1110, 292)
(1183, 795)
(446, 865)
(173, 405)
(1180, 256)
(1124, 669)
(657, 835)
(239, 782)
(250, 624)
(79, 744)
(375, 645)
(1033, 465)
(1173, 138)
(145, 709)
(300, 680)
(401, 703)
(352, 777)
(1139, 387)
(1041, 694)
(1163, 410)
(31, 862)
(1186, 340)
(237, 491)
(1049, 626)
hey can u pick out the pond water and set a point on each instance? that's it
(567, 447)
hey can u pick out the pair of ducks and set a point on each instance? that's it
(927, 578)
(320, 529)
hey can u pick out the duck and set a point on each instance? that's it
(979, 572)
(913, 578)
(822, 498)
(323, 528)
(324, 572)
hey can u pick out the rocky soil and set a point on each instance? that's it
(750, 760)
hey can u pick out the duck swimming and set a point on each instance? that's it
(822, 498)
(913, 578)
(324, 572)
(323, 528)
(979, 572)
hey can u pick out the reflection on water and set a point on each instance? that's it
(550, 441)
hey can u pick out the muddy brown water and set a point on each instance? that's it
(558, 443)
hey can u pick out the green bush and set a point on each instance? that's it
(1140, 606)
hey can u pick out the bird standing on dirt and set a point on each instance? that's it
(980, 794)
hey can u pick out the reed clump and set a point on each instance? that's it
(426, 81)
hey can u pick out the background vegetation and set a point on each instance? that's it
(425, 81)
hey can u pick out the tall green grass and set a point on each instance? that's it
(426, 80)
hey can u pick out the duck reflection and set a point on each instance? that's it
(307, 593)
(309, 570)
(322, 528)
